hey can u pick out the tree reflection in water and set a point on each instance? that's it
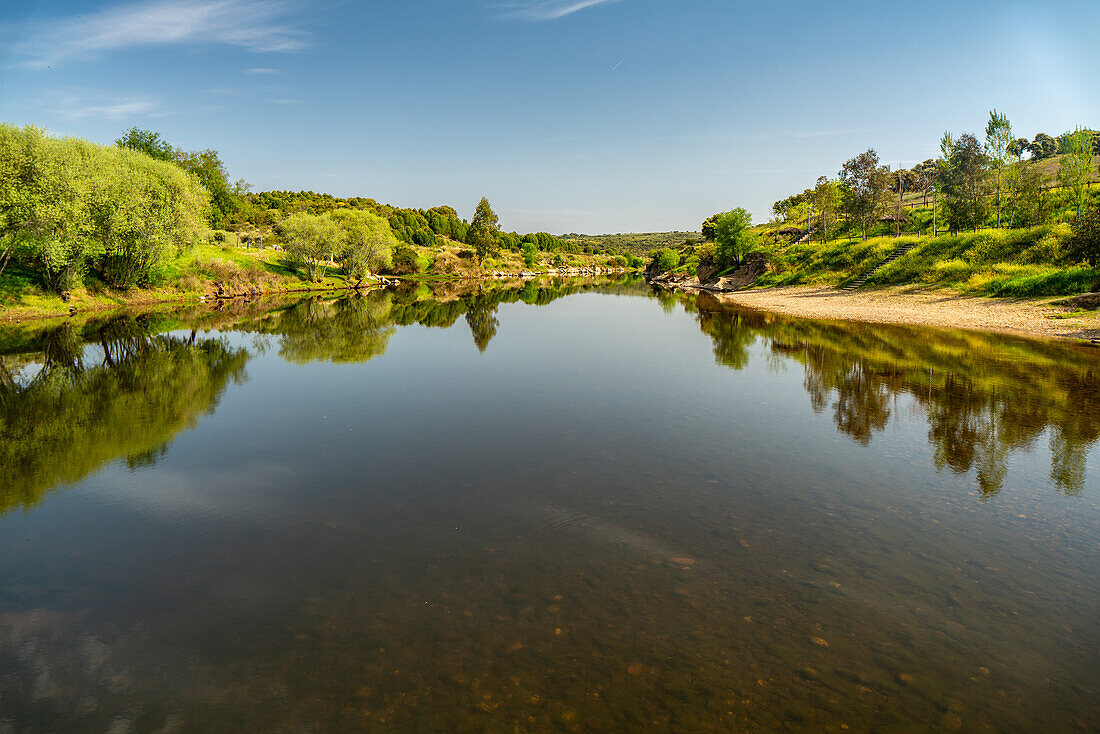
(984, 395)
(67, 410)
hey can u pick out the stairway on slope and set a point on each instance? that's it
(899, 252)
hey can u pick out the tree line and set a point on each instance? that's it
(973, 183)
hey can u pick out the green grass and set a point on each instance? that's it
(1004, 263)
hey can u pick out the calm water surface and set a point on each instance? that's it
(555, 507)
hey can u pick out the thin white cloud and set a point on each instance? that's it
(255, 25)
(78, 106)
(541, 10)
(262, 71)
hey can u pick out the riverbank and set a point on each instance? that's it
(908, 305)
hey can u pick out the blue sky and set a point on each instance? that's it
(569, 115)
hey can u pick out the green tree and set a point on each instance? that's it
(965, 183)
(665, 260)
(1075, 170)
(148, 142)
(311, 241)
(998, 143)
(365, 245)
(865, 188)
(825, 198)
(733, 237)
(67, 204)
(708, 228)
(1043, 146)
(1083, 243)
(484, 230)
(530, 253)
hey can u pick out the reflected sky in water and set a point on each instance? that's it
(559, 506)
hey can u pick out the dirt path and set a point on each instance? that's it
(934, 308)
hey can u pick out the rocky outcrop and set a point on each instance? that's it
(756, 264)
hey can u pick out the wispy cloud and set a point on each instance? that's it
(262, 71)
(256, 25)
(79, 105)
(540, 10)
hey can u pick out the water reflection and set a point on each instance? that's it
(587, 527)
(76, 399)
(984, 396)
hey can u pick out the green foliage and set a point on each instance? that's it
(733, 237)
(1076, 167)
(530, 253)
(67, 205)
(405, 261)
(964, 178)
(864, 186)
(366, 243)
(1083, 245)
(484, 230)
(360, 242)
(665, 260)
(149, 143)
(311, 241)
(75, 416)
(1043, 146)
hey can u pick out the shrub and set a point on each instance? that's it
(1083, 243)
(405, 262)
(665, 260)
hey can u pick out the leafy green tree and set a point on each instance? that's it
(1018, 147)
(1031, 200)
(484, 230)
(67, 204)
(733, 237)
(965, 182)
(1083, 243)
(865, 188)
(1043, 146)
(708, 227)
(311, 242)
(366, 243)
(148, 142)
(530, 253)
(1075, 170)
(665, 260)
(998, 141)
(825, 198)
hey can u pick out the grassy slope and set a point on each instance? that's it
(1013, 263)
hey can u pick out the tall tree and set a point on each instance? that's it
(1075, 170)
(866, 184)
(733, 237)
(998, 141)
(484, 230)
(965, 181)
(826, 199)
(1043, 146)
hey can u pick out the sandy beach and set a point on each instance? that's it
(1037, 317)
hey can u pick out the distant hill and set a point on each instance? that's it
(634, 243)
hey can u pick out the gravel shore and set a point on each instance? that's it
(1037, 317)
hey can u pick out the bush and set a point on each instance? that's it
(530, 254)
(69, 204)
(665, 260)
(1084, 241)
(405, 262)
